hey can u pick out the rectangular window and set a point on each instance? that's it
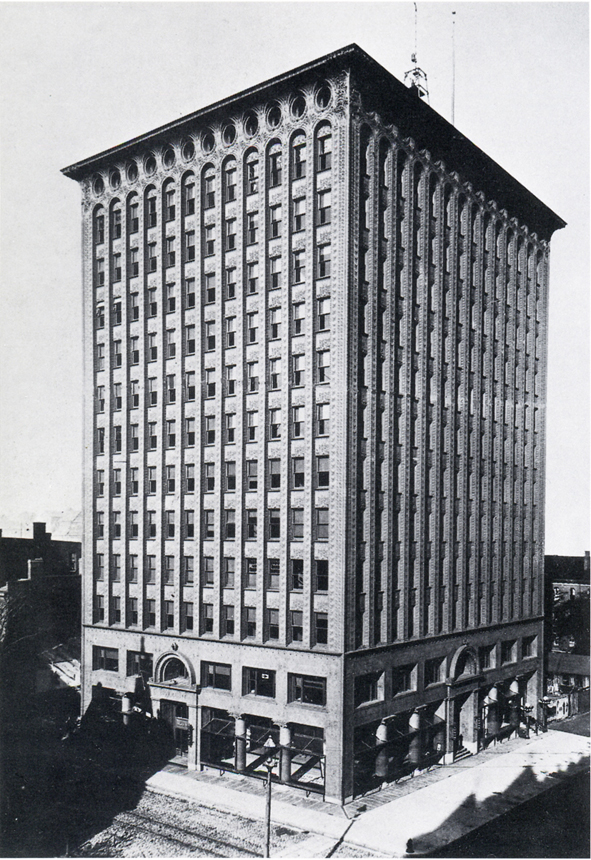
(321, 628)
(296, 622)
(252, 377)
(230, 427)
(170, 388)
(230, 234)
(100, 524)
(275, 423)
(168, 524)
(98, 609)
(252, 471)
(209, 427)
(250, 621)
(324, 207)
(252, 278)
(152, 347)
(151, 524)
(190, 244)
(434, 671)
(190, 385)
(117, 354)
(252, 175)
(100, 316)
(99, 272)
(275, 221)
(508, 651)
(105, 658)
(152, 214)
(100, 356)
(151, 258)
(275, 170)
(151, 482)
(229, 569)
(275, 373)
(323, 365)
(217, 675)
(189, 477)
(297, 421)
(169, 207)
(190, 292)
(229, 524)
(230, 182)
(117, 439)
(258, 682)
(134, 394)
(187, 616)
(134, 350)
(251, 524)
(323, 314)
(252, 228)
(209, 335)
(297, 523)
(230, 379)
(150, 613)
(189, 198)
(297, 575)
(133, 618)
(323, 423)
(207, 618)
(152, 303)
(321, 517)
(207, 570)
(299, 157)
(324, 152)
(100, 482)
(252, 419)
(273, 624)
(133, 523)
(274, 523)
(230, 331)
(298, 366)
(116, 567)
(152, 391)
(100, 398)
(140, 663)
(297, 472)
(190, 432)
(168, 572)
(299, 266)
(100, 440)
(321, 577)
(209, 477)
(275, 474)
(167, 615)
(369, 688)
(275, 272)
(209, 374)
(189, 524)
(208, 525)
(99, 230)
(250, 573)
(209, 190)
(227, 620)
(209, 240)
(188, 569)
(323, 261)
(230, 475)
(252, 326)
(170, 298)
(403, 679)
(322, 471)
(230, 280)
(116, 313)
(134, 221)
(298, 317)
(299, 214)
(209, 288)
(134, 307)
(171, 433)
(273, 575)
(307, 689)
(169, 254)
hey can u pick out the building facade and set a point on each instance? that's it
(315, 363)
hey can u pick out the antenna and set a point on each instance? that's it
(453, 67)
(416, 79)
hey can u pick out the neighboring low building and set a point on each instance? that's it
(568, 575)
(60, 557)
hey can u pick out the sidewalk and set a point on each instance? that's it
(433, 809)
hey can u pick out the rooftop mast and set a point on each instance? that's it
(416, 78)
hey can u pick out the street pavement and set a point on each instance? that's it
(429, 812)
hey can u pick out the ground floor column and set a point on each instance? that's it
(240, 742)
(193, 757)
(493, 717)
(285, 753)
(381, 765)
(415, 746)
(514, 704)
(450, 731)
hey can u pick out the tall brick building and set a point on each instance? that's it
(315, 328)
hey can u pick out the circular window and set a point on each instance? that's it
(229, 134)
(323, 96)
(132, 171)
(251, 124)
(188, 150)
(169, 157)
(208, 141)
(150, 165)
(115, 179)
(298, 106)
(98, 186)
(274, 116)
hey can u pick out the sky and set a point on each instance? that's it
(77, 78)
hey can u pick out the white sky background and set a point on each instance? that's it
(77, 78)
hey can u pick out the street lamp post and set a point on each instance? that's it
(269, 764)
(527, 710)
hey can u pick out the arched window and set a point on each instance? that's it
(188, 193)
(169, 200)
(323, 147)
(174, 669)
(251, 173)
(275, 164)
(98, 225)
(229, 180)
(116, 219)
(133, 214)
(208, 187)
(298, 155)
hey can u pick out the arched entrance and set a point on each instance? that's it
(463, 703)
